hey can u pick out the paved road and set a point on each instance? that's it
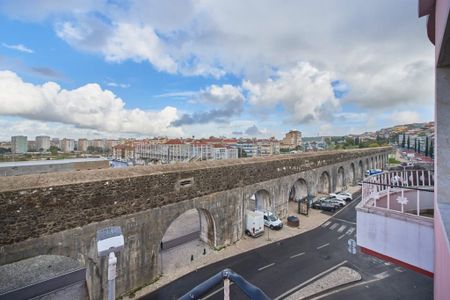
(280, 267)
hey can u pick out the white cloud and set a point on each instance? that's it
(404, 117)
(115, 84)
(305, 93)
(86, 107)
(377, 50)
(18, 47)
(229, 100)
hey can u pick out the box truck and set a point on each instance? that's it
(254, 223)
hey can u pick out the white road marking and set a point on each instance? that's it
(334, 226)
(342, 228)
(295, 288)
(324, 245)
(265, 267)
(326, 224)
(298, 254)
(378, 277)
(350, 231)
(345, 221)
(341, 237)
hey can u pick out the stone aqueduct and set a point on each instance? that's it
(59, 213)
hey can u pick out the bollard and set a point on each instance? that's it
(192, 257)
(204, 251)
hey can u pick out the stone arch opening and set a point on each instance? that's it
(360, 170)
(261, 200)
(371, 163)
(352, 174)
(299, 190)
(324, 186)
(193, 233)
(340, 180)
(367, 164)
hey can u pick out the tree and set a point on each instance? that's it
(415, 145)
(426, 146)
(403, 140)
(408, 143)
(418, 146)
(53, 150)
(431, 149)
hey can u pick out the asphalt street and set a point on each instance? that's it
(280, 268)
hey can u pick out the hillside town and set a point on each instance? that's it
(163, 150)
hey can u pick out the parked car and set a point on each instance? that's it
(325, 205)
(272, 221)
(346, 196)
(339, 202)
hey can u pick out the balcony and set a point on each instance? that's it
(395, 218)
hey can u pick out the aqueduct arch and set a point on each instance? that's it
(360, 170)
(299, 190)
(340, 179)
(262, 200)
(352, 174)
(324, 184)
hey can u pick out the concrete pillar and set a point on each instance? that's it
(442, 183)
(442, 137)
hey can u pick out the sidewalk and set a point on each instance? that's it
(314, 219)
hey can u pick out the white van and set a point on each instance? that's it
(254, 223)
(272, 221)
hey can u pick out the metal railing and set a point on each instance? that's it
(407, 191)
(225, 276)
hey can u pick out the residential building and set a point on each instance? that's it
(221, 151)
(124, 152)
(314, 143)
(247, 148)
(292, 139)
(55, 142)
(99, 144)
(83, 145)
(67, 145)
(19, 144)
(31, 146)
(42, 143)
(109, 144)
(268, 147)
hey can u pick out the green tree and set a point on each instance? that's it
(408, 143)
(403, 140)
(426, 146)
(53, 150)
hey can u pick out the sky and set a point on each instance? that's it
(110, 68)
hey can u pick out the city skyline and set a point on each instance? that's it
(203, 73)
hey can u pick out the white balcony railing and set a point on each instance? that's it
(407, 191)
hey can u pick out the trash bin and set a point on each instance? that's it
(293, 221)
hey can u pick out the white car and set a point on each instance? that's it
(272, 221)
(342, 196)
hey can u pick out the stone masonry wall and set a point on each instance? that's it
(34, 206)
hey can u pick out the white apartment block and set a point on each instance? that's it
(67, 145)
(42, 142)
